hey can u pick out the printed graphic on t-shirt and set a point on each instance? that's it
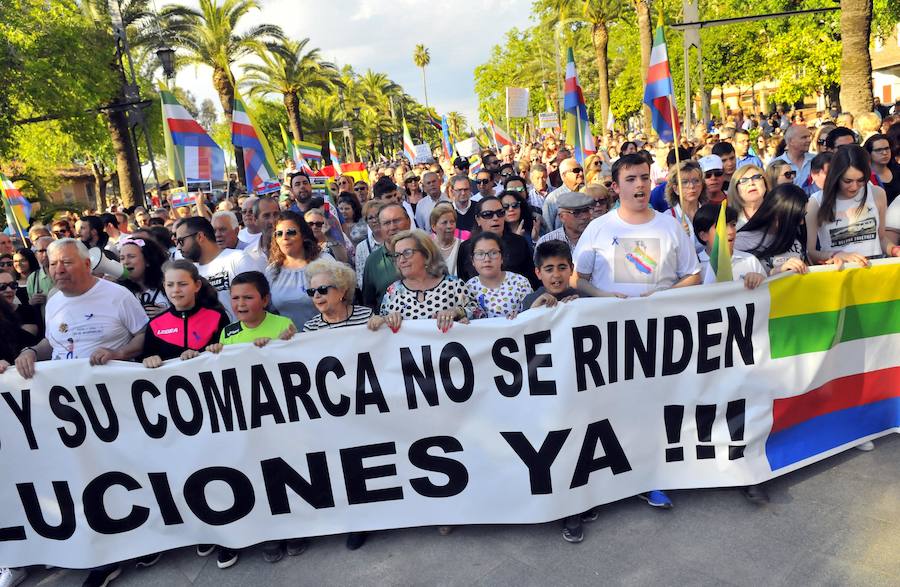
(795, 252)
(220, 281)
(76, 333)
(855, 232)
(636, 260)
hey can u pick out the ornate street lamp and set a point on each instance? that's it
(167, 59)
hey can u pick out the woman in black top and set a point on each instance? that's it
(14, 339)
(884, 166)
(489, 217)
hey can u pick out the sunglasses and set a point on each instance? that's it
(61, 233)
(488, 214)
(601, 203)
(180, 241)
(360, 189)
(406, 254)
(6, 286)
(820, 142)
(608, 184)
(322, 290)
(749, 178)
(512, 206)
(317, 224)
(790, 174)
(714, 173)
(288, 232)
(482, 181)
(576, 171)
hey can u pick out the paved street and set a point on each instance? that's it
(835, 523)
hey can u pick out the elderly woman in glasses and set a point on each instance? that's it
(425, 290)
(749, 186)
(331, 287)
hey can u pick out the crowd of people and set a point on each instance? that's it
(533, 227)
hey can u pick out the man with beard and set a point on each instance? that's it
(301, 192)
(196, 239)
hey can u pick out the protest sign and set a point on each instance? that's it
(181, 197)
(468, 147)
(516, 102)
(498, 421)
(423, 153)
(548, 120)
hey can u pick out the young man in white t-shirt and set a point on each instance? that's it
(633, 250)
(196, 240)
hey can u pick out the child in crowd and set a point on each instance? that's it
(553, 266)
(249, 298)
(496, 292)
(744, 266)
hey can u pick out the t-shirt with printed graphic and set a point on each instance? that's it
(220, 271)
(105, 316)
(499, 302)
(852, 230)
(271, 327)
(634, 259)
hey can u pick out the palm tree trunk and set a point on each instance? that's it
(600, 38)
(129, 171)
(292, 105)
(100, 180)
(642, 7)
(856, 63)
(225, 88)
(425, 87)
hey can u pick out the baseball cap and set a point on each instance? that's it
(710, 162)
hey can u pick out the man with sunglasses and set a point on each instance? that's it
(575, 213)
(713, 177)
(361, 189)
(485, 184)
(380, 270)
(572, 174)
(727, 154)
(797, 139)
(196, 239)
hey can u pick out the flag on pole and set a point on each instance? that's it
(501, 137)
(434, 122)
(259, 163)
(192, 155)
(18, 209)
(611, 122)
(659, 94)
(311, 151)
(409, 148)
(333, 154)
(446, 145)
(292, 151)
(578, 127)
(720, 255)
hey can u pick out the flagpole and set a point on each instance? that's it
(15, 218)
(676, 135)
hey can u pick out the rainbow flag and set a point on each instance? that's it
(292, 151)
(659, 94)
(333, 154)
(192, 155)
(500, 136)
(259, 163)
(578, 126)
(311, 151)
(446, 145)
(18, 209)
(720, 255)
(409, 148)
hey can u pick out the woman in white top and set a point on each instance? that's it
(847, 216)
(693, 195)
(443, 229)
(749, 186)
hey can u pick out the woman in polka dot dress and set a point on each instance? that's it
(496, 292)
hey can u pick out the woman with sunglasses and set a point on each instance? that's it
(331, 288)
(780, 172)
(884, 168)
(519, 216)
(490, 217)
(354, 224)
(749, 186)
(847, 216)
(776, 234)
(293, 247)
(318, 222)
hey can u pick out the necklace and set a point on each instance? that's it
(448, 247)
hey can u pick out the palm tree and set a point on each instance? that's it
(209, 34)
(856, 63)
(457, 123)
(322, 112)
(290, 70)
(642, 8)
(422, 59)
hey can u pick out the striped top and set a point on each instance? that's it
(358, 315)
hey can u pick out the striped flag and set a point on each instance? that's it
(434, 122)
(578, 127)
(333, 154)
(409, 148)
(311, 151)
(720, 255)
(292, 151)
(18, 209)
(259, 163)
(659, 94)
(192, 155)
(446, 145)
(500, 136)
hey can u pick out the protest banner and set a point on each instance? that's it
(516, 102)
(423, 153)
(498, 421)
(548, 120)
(468, 147)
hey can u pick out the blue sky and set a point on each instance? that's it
(381, 35)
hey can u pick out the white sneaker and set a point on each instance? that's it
(866, 446)
(12, 577)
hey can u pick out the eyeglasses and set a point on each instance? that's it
(748, 178)
(317, 224)
(37, 251)
(576, 171)
(578, 211)
(488, 214)
(180, 241)
(6, 286)
(790, 174)
(511, 206)
(483, 255)
(288, 232)
(692, 181)
(411, 180)
(360, 189)
(61, 233)
(515, 189)
(714, 173)
(482, 181)
(406, 254)
(602, 203)
(322, 290)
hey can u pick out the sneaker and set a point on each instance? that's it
(205, 549)
(356, 539)
(657, 499)
(756, 494)
(866, 446)
(297, 546)
(12, 577)
(591, 515)
(273, 551)
(572, 530)
(444, 530)
(226, 558)
(103, 576)
(148, 561)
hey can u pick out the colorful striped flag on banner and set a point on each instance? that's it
(333, 154)
(659, 95)
(18, 209)
(446, 145)
(501, 137)
(720, 255)
(311, 151)
(292, 151)
(578, 127)
(409, 148)
(192, 155)
(259, 163)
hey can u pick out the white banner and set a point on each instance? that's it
(517, 102)
(548, 120)
(468, 147)
(498, 421)
(423, 153)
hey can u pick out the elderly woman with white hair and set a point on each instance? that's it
(331, 287)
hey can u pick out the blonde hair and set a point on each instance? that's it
(734, 195)
(688, 166)
(434, 261)
(439, 210)
(344, 277)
